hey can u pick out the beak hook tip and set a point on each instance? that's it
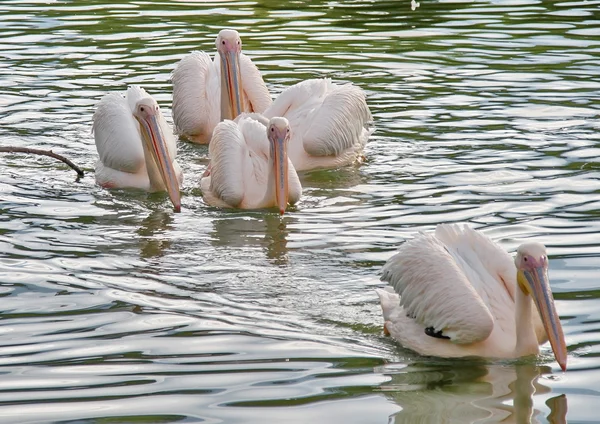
(563, 365)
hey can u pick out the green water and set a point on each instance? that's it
(115, 309)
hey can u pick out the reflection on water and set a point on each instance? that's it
(242, 230)
(152, 244)
(558, 409)
(471, 394)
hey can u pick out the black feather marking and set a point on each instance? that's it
(430, 331)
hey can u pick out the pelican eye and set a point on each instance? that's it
(142, 109)
(272, 129)
(223, 42)
(525, 258)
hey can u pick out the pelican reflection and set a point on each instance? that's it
(475, 393)
(152, 244)
(267, 230)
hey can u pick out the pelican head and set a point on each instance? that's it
(532, 276)
(278, 133)
(229, 46)
(148, 114)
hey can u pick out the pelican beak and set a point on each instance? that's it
(280, 162)
(155, 141)
(539, 288)
(231, 84)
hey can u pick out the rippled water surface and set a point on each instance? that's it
(116, 309)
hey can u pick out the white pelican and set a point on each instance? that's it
(329, 122)
(135, 144)
(249, 167)
(460, 294)
(206, 91)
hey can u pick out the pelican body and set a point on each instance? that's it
(135, 144)
(207, 91)
(329, 123)
(456, 293)
(249, 167)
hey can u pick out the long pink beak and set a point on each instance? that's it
(280, 164)
(157, 145)
(231, 84)
(542, 297)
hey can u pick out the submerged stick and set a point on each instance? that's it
(14, 149)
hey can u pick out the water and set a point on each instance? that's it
(116, 309)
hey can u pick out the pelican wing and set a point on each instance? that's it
(117, 134)
(227, 151)
(195, 89)
(480, 258)
(486, 261)
(436, 292)
(256, 94)
(252, 115)
(330, 117)
(238, 154)
(338, 122)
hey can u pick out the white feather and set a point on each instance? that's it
(457, 281)
(435, 294)
(117, 135)
(228, 152)
(197, 94)
(195, 90)
(329, 122)
(256, 94)
(122, 162)
(239, 167)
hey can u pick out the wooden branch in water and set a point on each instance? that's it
(14, 149)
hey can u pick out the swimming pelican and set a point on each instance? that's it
(249, 167)
(460, 294)
(206, 92)
(329, 122)
(135, 144)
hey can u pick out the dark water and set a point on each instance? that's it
(115, 309)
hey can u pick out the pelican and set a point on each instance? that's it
(457, 293)
(135, 144)
(329, 122)
(207, 91)
(249, 166)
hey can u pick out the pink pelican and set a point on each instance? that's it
(459, 294)
(329, 122)
(207, 91)
(249, 166)
(136, 145)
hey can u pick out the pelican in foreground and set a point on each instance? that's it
(135, 144)
(330, 123)
(207, 91)
(457, 294)
(249, 166)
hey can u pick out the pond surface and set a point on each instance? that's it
(115, 309)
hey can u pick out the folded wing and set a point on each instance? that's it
(435, 291)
